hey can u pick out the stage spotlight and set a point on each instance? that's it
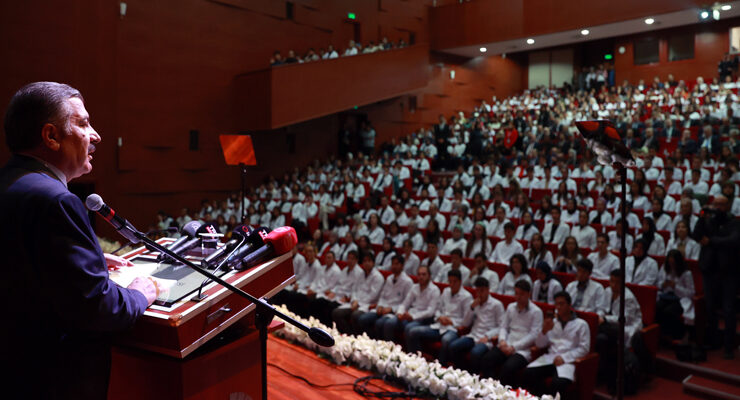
(650, 21)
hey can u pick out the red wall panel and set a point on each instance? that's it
(485, 21)
(710, 44)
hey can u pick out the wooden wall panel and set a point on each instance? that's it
(710, 45)
(485, 21)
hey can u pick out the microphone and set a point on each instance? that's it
(193, 241)
(277, 242)
(188, 231)
(239, 235)
(95, 203)
(254, 239)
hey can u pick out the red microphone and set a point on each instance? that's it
(278, 242)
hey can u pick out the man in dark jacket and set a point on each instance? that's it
(719, 235)
(58, 305)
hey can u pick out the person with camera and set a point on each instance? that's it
(718, 233)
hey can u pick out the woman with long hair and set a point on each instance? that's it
(478, 242)
(654, 242)
(568, 257)
(433, 234)
(521, 206)
(583, 198)
(517, 271)
(675, 295)
(682, 242)
(527, 228)
(537, 252)
(546, 286)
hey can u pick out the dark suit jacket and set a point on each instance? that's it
(724, 241)
(714, 143)
(59, 308)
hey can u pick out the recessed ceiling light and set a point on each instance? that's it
(704, 14)
(585, 32)
(483, 49)
(650, 21)
(530, 41)
(726, 7)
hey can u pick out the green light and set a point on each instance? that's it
(355, 107)
(608, 56)
(351, 16)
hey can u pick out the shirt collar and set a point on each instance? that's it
(56, 171)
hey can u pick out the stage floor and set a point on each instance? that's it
(319, 371)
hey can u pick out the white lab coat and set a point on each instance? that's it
(520, 329)
(593, 296)
(553, 287)
(646, 272)
(632, 313)
(570, 342)
(420, 304)
(486, 319)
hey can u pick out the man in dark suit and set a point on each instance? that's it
(718, 233)
(670, 131)
(58, 305)
(687, 144)
(709, 140)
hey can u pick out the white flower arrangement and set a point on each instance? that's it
(388, 358)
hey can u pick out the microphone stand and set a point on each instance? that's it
(604, 140)
(264, 314)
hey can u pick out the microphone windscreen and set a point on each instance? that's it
(282, 239)
(94, 202)
(208, 228)
(242, 230)
(191, 228)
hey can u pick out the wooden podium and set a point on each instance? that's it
(199, 350)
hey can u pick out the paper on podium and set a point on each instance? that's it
(123, 276)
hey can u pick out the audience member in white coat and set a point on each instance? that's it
(682, 242)
(417, 308)
(517, 271)
(457, 241)
(654, 242)
(364, 293)
(640, 268)
(556, 231)
(675, 297)
(568, 338)
(604, 262)
(454, 264)
(506, 248)
(478, 242)
(411, 260)
(520, 327)
(583, 232)
(606, 339)
(397, 285)
(587, 294)
(546, 286)
(480, 270)
(485, 314)
(537, 252)
(527, 228)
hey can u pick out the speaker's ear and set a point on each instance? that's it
(51, 137)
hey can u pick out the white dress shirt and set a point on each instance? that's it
(603, 266)
(367, 289)
(503, 251)
(646, 272)
(585, 236)
(395, 290)
(420, 304)
(592, 298)
(632, 313)
(486, 319)
(452, 307)
(442, 274)
(570, 342)
(520, 328)
(506, 286)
